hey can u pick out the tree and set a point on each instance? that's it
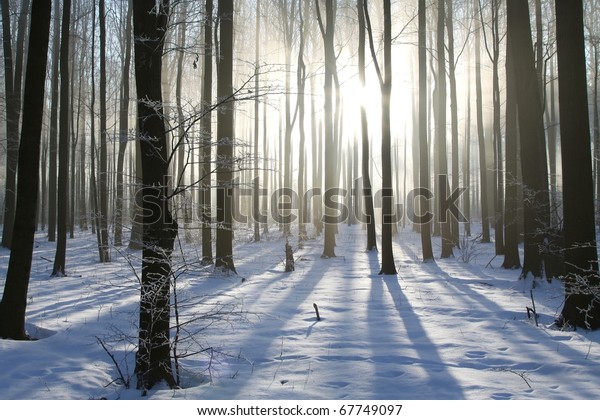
(12, 127)
(60, 256)
(103, 176)
(364, 125)
(53, 140)
(485, 223)
(385, 82)
(533, 145)
(582, 305)
(512, 260)
(123, 128)
(256, 184)
(225, 139)
(327, 29)
(153, 363)
(441, 129)
(423, 149)
(205, 132)
(14, 298)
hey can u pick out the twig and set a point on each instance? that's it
(122, 377)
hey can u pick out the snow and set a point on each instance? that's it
(445, 330)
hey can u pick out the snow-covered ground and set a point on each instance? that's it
(443, 330)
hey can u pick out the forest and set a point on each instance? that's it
(198, 156)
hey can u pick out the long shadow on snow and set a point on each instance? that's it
(440, 383)
(533, 341)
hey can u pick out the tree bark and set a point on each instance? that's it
(582, 307)
(225, 140)
(483, 184)
(14, 297)
(123, 128)
(364, 125)
(512, 260)
(423, 147)
(153, 363)
(103, 175)
(533, 146)
(205, 133)
(60, 257)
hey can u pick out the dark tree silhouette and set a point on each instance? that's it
(512, 260)
(205, 132)
(153, 363)
(225, 139)
(423, 149)
(533, 147)
(582, 300)
(14, 298)
(60, 258)
(364, 125)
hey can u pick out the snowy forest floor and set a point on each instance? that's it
(441, 330)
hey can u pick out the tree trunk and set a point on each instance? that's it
(366, 177)
(533, 147)
(453, 112)
(225, 139)
(153, 363)
(387, 219)
(12, 128)
(512, 260)
(52, 167)
(423, 147)
(103, 176)
(483, 184)
(14, 297)
(581, 307)
(441, 133)
(327, 32)
(205, 132)
(60, 257)
(123, 128)
(256, 184)
(301, 83)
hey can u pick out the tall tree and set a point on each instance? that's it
(103, 176)
(60, 257)
(533, 145)
(301, 85)
(512, 260)
(364, 127)
(327, 29)
(123, 127)
(441, 130)
(205, 132)
(14, 297)
(53, 138)
(256, 183)
(12, 127)
(225, 139)
(385, 82)
(453, 112)
(387, 255)
(582, 304)
(483, 183)
(423, 149)
(153, 363)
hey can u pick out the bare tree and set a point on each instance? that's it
(63, 146)
(14, 297)
(423, 149)
(153, 363)
(582, 304)
(225, 140)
